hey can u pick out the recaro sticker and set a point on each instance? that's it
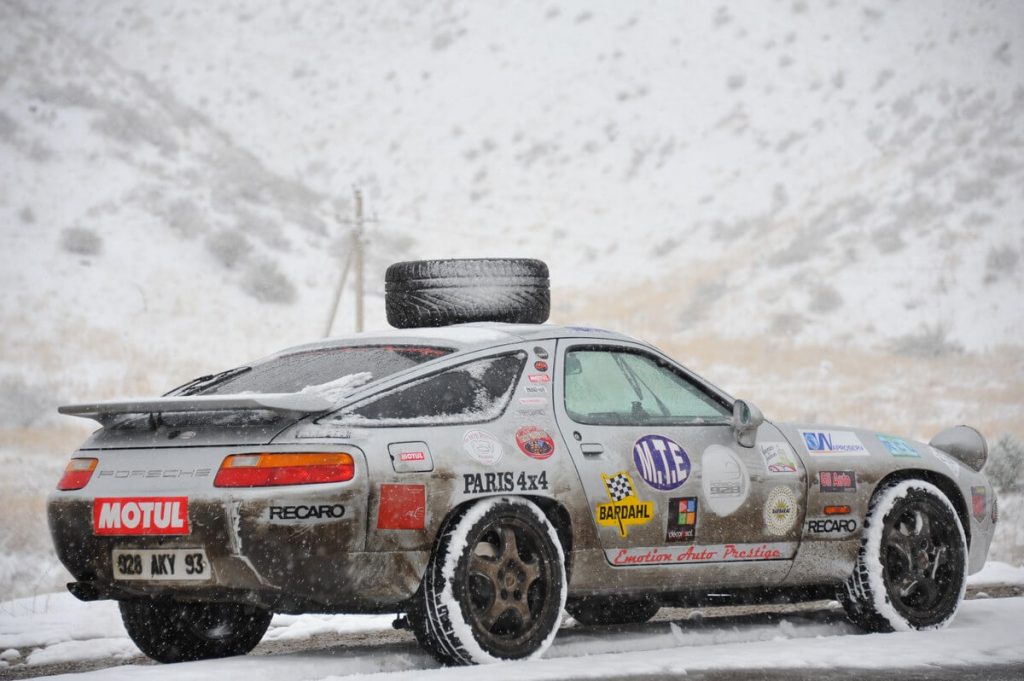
(402, 507)
(898, 447)
(534, 442)
(833, 443)
(624, 508)
(482, 447)
(718, 553)
(303, 514)
(724, 480)
(682, 520)
(662, 463)
(837, 481)
(780, 510)
(979, 502)
(779, 458)
(140, 515)
(842, 527)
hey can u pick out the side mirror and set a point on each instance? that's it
(746, 419)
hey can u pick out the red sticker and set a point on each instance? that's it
(412, 456)
(540, 365)
(402, 507)
(539, 378)
(535, 442)
(140, 515)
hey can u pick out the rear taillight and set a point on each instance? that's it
(77, 474)
(267, 470)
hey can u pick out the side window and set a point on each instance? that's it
(468, 393)
(618, 387)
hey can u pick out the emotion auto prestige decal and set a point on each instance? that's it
(661, 463)
(695, 554)
(898, 447)
(624, 507)
(833, 443)
(780, 510)
(534, 442)
(779, 458)
(482, 447)
(724, 480)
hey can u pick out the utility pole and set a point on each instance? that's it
(357, 249)
(357, 254)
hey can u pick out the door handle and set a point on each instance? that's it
(591, 449)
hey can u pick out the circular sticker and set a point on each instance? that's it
(780, 510)
(661, 463)
(535, 442)
(482, 446)
(724, 479)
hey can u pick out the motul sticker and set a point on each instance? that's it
(412, 456)
(140, 515)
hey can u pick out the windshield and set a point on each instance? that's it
(331, 368)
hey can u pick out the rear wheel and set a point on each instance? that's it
(495, 585)
(601, 610)
(168, 631)
(912, 568)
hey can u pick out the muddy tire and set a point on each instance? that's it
(440, 292)
(495, 585)
(168, 631)
(911, 571)
(605, 610)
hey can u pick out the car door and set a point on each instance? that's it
(667, 482)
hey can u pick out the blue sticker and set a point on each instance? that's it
(898, 447)
(662, 463)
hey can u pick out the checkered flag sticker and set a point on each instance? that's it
(619, 486)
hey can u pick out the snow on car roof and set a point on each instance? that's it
(465, 336)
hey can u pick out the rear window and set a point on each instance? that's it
(326, 371)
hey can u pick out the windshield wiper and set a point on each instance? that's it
(204, 382)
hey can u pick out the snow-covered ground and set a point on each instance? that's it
(56, 628)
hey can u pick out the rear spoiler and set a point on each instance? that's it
(287, 404)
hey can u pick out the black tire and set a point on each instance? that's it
(911, 571)
(495, 585)
(423, 293)
(605, 610)
(168, 631)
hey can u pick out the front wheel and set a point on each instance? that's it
(169, 631)
(911, 571)
(495, 585)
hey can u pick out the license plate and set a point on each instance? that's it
(161, 564)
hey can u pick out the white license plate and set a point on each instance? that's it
(161, 564)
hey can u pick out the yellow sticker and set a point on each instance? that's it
(624, 509)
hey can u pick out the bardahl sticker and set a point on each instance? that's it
(779, 458)
(534, 442)
(482, 447)
(624, 508)
(662, 463)
(780, 510)
(724, 480)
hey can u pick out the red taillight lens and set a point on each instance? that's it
(267, 470)
(77, 474)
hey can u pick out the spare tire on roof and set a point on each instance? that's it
(441, 292)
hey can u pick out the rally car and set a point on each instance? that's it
(480, 477)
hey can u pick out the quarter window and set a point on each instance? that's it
(468, 393)
(618, 387)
